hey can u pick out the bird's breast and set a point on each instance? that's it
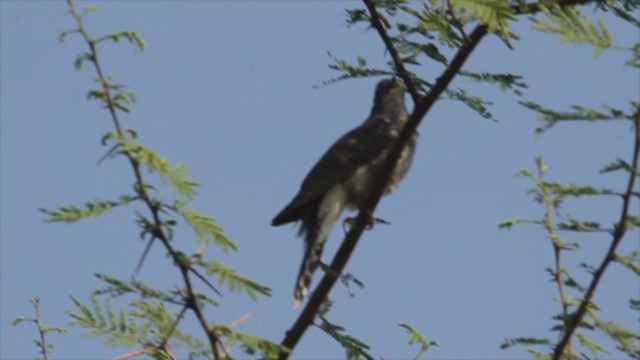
(358, 186)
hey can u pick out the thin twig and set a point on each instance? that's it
(199, 250)
(557, 247)
(241, 319)
(195, 307)
(618, 233)
(164, 347)
(133, 353)
(420, 353)
(38, 321)
(233, 324)
(205, 280)
(143, 256)
(109, 153)
(153, 207)
(401, 70)
(456, 21)
(173, 327)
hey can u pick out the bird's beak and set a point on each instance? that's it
(400, 83)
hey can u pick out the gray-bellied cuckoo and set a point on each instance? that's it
(343, 176)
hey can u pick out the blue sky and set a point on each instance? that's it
(227, 88)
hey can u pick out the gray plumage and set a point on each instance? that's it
(343, 176)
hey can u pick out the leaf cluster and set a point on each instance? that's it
(423, 35)
(416, 337)
(567, 22)
(41, 344)
(355, 349)
(147, 321)
(551, 195)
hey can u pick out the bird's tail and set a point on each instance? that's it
(313, 230)
(307, 268)
(317, 222)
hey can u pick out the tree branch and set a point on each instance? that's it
(456, 22)
(618, 233)
(422, 106)
(41, 330)
(557, 252)
(153, 207)
(294, 334)
(401, 70)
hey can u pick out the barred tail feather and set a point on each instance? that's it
(317, 222)
(307, 268)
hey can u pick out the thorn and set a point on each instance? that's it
(109, 153)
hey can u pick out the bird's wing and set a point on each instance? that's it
(356, 148)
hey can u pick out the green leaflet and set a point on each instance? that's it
(93, 208)
(234, 281)
(416, 338)
(206, 228)
(573, 28)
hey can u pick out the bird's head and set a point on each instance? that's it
(389, 96)
(390, 85)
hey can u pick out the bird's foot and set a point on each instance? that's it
(368, 221)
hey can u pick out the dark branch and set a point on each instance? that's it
(618, 233)
(401, 70)
(423, 105)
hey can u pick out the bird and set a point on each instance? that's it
(343, 177)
